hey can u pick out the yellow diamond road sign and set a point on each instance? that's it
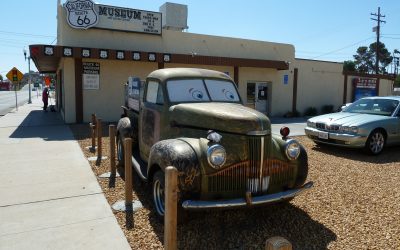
(14, 75)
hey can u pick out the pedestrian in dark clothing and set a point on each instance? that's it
(45, 98)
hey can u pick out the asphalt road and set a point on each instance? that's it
(7, 99)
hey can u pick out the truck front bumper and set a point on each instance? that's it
(245, 202)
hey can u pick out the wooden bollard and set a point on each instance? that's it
(128, 172)
(111, 130)
(278, 243)
(171, 205)
(99, 137)
(93, 127)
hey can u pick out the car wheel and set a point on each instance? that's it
(158, 193)
(120, 150)
(376, 142)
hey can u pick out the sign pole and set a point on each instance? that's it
(16, 97)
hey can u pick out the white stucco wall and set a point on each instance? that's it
(319, 83)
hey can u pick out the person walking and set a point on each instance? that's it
(45, 98)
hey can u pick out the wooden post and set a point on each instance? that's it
(111, 130)
(128, 172)
(93, 126)
(99, 136)
(171, 204)
(278, 243)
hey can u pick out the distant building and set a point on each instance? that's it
(97, 52)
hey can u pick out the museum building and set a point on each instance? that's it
(100, 46)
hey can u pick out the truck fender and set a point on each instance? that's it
(124, 127)
(181, 155)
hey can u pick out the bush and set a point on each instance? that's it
(326, 109)
(311, 111)
(291, 114)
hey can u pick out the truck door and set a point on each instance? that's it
(150, 118)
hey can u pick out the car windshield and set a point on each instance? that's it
(373, 106)
(202, 90)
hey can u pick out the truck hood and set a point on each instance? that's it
(226, 117)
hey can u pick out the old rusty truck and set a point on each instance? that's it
(225, 153)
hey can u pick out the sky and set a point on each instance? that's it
(319, 29)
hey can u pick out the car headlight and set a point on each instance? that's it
(310, 124)
(352, 129)
(216, 156)
(292, 149)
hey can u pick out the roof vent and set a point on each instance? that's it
(174, 16)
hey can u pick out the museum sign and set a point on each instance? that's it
(85, 14)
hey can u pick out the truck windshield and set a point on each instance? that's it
(202, 90)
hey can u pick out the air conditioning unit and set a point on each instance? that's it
(174, 16)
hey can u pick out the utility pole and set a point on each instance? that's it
(378, 30)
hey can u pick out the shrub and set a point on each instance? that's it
(326, 109)
(291, 114)
(310, 111)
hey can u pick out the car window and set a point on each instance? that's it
(187, 90)
(202, 90)
(222, 90)
(154, 93)
(373, 106)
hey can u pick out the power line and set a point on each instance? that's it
(348, 46)
(24, 34)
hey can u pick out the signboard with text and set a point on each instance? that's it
(91, 75)
(84, 14)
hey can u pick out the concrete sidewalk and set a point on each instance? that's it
(49, 196)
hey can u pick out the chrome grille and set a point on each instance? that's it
(254, 175)
(326, 127)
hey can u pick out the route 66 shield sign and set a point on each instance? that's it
(81, 14)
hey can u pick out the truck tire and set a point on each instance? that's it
(159, 199)
(120, 150)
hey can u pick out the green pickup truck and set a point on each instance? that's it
(225, 154)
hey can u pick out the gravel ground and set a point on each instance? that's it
(355, 204)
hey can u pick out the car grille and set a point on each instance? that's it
(254, 175)
(326, 127)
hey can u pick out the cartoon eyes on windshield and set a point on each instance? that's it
(229, 95)
(196, 94)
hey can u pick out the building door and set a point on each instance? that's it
(257, 96)
(261, 97)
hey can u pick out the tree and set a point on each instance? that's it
(366, 57)
(363, 60)
(1, 77)
(397, 81)
(349, 66)
(384, 56)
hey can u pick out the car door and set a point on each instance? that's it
(150, 117)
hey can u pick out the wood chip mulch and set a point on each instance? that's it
(355, 204)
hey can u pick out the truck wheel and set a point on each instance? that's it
(376, 142)
(120, 150)
(159, 199)
(158, 193)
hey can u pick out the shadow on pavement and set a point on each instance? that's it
(46, 125)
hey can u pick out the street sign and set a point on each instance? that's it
(14, 75)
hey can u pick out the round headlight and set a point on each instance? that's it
(292, 150)
(216, 156)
